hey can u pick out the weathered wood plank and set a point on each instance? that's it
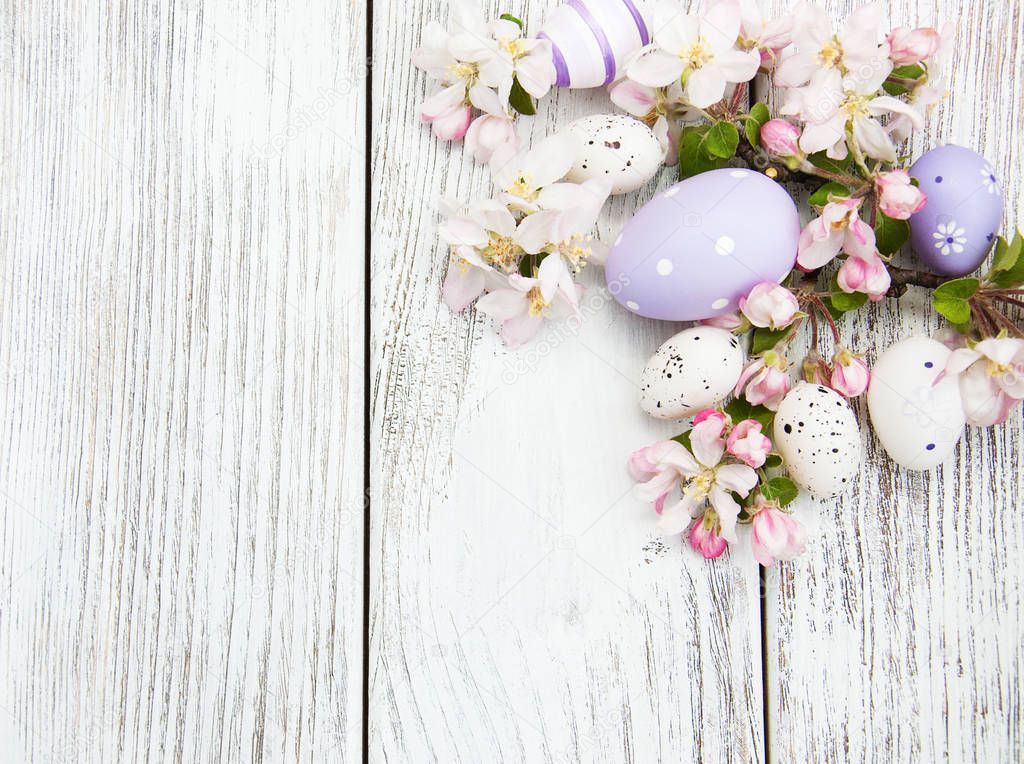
(181, 324)
(898, 638)
(522, 608)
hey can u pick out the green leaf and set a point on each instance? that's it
(821, 197)
(759, 116)
(822, 161)
(693, 158)
(774, 461)
(513, 19)
(520, 100)
(1008, 267)
(740, 409)
(909, 72)
(890, 234)
(766, 339)
(844, 303)
(962, 289)
(955, 310)
(722, 140)
(781, 489)
(950, 299)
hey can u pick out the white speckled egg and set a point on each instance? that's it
(694, 370)
(617, 148)
(917, 421)
(817, 435)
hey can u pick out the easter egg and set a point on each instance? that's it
(592, 39)
(696, 369)
(955, 230)
(817, 436)
(917, 421)
(615, 147)
(699, 246)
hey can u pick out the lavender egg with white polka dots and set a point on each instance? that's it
(817, 435)
(957, 227)
(699, 246)
(917, 412)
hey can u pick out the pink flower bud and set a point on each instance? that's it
(747, 443)
(816, 371)
(780, 138)
(864, 274)
(705, 538)
(765, 380)
(912, 46)
(776, 535)
(897, 196)
(850, 375)
(449, 125)
(770, 305)
(732, 322)
(488, 134)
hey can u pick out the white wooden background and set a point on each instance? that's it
(182, 394)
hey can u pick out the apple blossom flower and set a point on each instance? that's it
(698, 51)
(836, 106)
(898, 197)
(559, 233)
(765, 380)
(700, 473)
(775, 535)
(991, 378)
(770, 305)
(733, 322)
(780, 138)
(820, 51)
(912, 46)
(850, 375)
(866, 274)
(482, 244)
(524, 304)
(705, 536)
(489, 133)
(838, 229)
(747, 443)
(767, 36)
(514, 57)
(523, 176)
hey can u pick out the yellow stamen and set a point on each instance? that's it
(699, 54)
(522, 187)
(537, 302)
(573, 250)
(831, 55)
(700, 485)
(503, 252)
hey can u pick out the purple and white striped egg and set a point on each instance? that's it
(592, 39)
(958, 225)
(699, 246)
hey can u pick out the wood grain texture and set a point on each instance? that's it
(898, 637)
(180, 404)
(523, 608)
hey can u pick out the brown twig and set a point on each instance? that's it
(904, 277)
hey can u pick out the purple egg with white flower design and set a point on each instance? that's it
(699, 246)
(592, 39)
(958, 225)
